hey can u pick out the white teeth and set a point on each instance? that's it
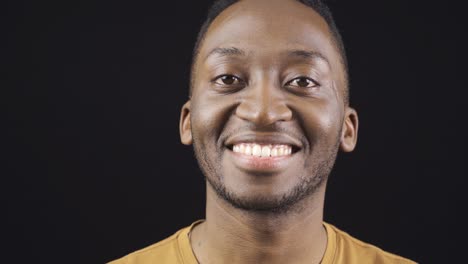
(256, 150)
(248, 150)
(266, 151)
(262, 150)
(241, 148)
(274, 152)
(281, 151)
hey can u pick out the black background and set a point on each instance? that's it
(95, 169)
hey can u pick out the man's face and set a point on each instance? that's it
(267, 112)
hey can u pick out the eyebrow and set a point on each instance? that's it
(308, 55)
(303, 54)
(230, 51)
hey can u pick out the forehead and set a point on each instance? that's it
(264, 28)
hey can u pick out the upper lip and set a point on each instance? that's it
(263, 138)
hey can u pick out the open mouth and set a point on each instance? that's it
(262, 150)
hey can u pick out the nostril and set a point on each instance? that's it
(264, 113)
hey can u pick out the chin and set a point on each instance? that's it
(276, 203)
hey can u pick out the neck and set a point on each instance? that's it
(231, 235)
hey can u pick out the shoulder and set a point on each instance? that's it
(165, 251)
(348, 249)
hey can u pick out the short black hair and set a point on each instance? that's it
(319, 6)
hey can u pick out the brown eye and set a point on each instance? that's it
(227, 80)
(302, 82)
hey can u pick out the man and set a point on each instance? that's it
(267, 115)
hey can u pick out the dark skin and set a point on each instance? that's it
(267, 70)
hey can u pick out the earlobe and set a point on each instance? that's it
(185, 126)
(350, 130)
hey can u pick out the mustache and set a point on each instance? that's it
(276, 128)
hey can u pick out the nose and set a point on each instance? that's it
(264, 104)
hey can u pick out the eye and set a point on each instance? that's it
(302, 82)
(227, 80)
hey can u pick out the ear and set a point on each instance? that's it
(349, 132)
(185, 126)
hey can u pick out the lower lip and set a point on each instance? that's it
(261, 164)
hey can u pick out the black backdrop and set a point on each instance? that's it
(94, 168)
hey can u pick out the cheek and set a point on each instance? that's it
(209, 115)
(321, 121)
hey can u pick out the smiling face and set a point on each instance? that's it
(267, 113)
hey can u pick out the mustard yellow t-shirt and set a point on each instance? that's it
(341, 249)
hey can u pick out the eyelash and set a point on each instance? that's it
(219, 78)
(314, 83)
(240, 81)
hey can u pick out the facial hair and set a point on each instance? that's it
(317, 175)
